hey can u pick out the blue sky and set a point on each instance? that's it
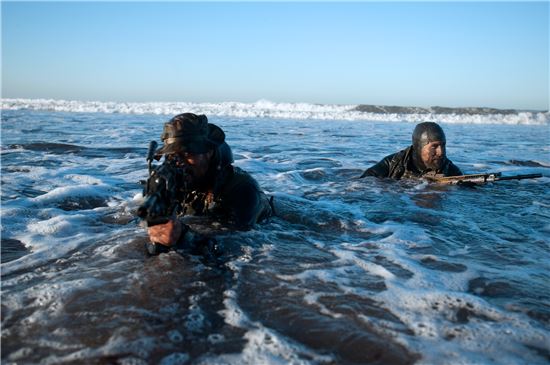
(418, 54)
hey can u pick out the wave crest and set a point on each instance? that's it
(268, 109)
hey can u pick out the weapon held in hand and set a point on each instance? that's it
(478, 179)
(163, 190)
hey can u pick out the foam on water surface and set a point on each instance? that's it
(350, 271)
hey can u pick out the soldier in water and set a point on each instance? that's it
(214, 187)
(425, 157)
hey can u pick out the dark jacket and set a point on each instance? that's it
(400, 165)
(236, 199)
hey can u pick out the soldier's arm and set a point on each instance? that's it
(381, 169)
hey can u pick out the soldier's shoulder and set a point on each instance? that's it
(398, 156)
(406, 152)
(239, 179)
(452, 169)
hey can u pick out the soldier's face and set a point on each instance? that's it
(195, 164)
(433, 154)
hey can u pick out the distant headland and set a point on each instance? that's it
(384, 109)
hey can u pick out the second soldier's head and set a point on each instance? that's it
(429, 142)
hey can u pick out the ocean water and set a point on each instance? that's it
(350, 271)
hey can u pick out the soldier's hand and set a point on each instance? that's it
(166, 234)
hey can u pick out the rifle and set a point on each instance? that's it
(478, 179)
(163, 191)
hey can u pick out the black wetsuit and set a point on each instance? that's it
(401, 165)
(236, 199)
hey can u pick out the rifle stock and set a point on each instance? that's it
(478, 178)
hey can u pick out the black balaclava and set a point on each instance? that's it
(423, 134)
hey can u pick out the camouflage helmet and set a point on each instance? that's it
(191, 133)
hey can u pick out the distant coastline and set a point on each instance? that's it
(384, 109)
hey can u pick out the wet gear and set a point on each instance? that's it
(236, 198)
(191, 133)
(401, 165)
(224, 192)
(232, 195)
(227, 192)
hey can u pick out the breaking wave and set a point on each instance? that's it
(268, 109)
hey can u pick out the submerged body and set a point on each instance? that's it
(401, 165)
(209, 184)
(237, 200)
(426, 156)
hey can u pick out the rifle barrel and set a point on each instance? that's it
(481, 178)
(519, 177)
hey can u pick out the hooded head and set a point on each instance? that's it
(428, 142)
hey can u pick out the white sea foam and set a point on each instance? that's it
(432, 315)
(268, 109)
(82, 190)
(408, 251)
